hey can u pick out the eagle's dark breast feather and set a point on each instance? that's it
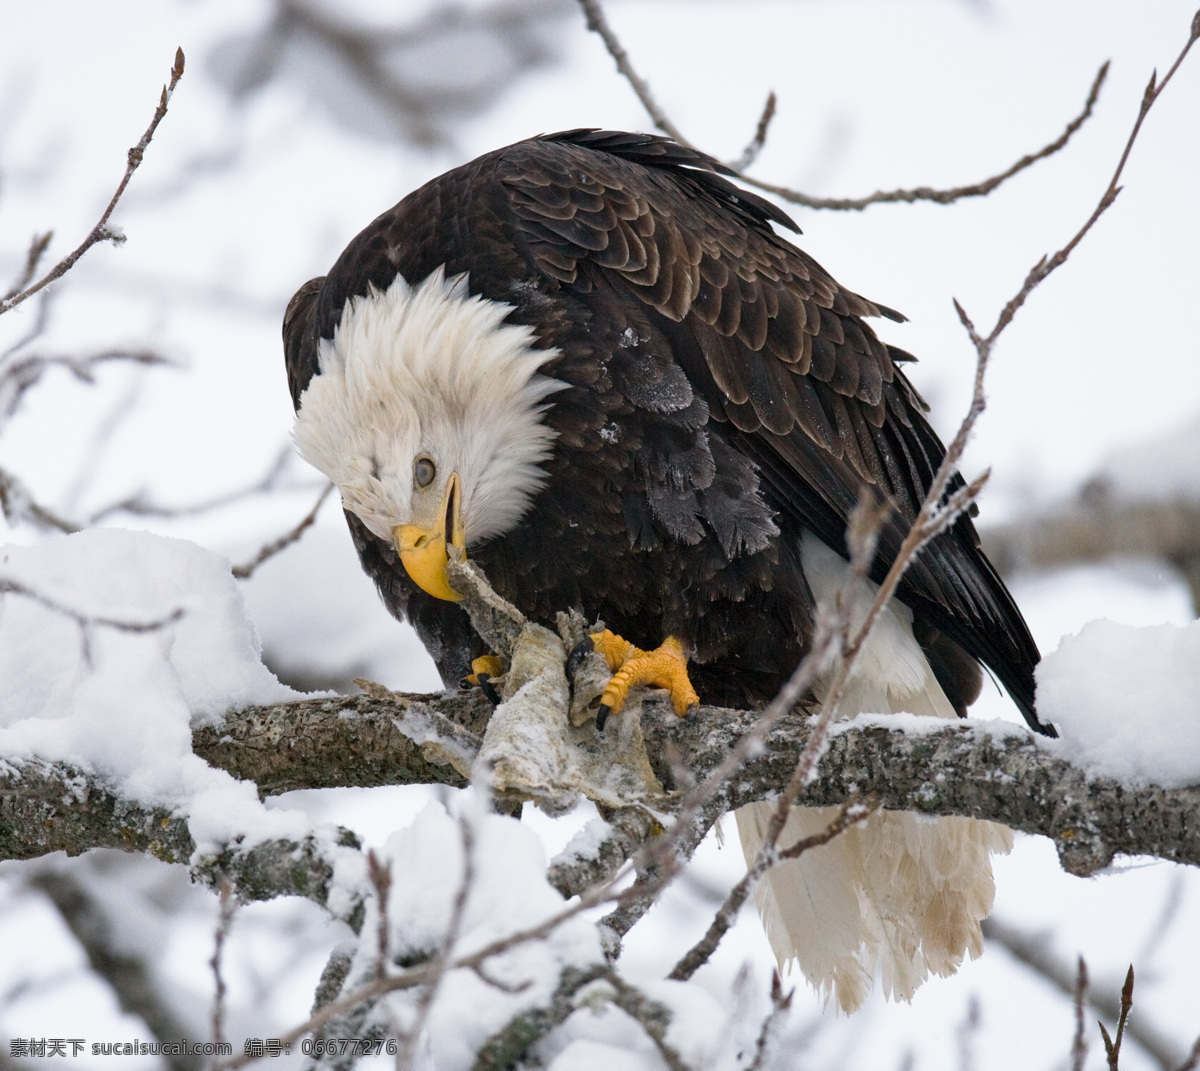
(724, 395)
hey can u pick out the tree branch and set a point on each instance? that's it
(269, 550)
(101, 232)
(947, 769)
(90, 919)
(936, 196)
(597, 23)
(1034, 949)
(55, 807)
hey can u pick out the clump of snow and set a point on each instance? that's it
(586, 843)
(508, 893)
(122, 704)
(1126, 701)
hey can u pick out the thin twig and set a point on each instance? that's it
(1112, 1046)
(17, 376)
(37, 248)
(1193, 1060)
(380, 875)
(1079, 1043)
(1034, 950)
(139, 506)
(1166, 919)
(928, 193)
(11, 586)
(751, 151)
(269, 550)
(18, 504)
(85, 622)
(862, 537)
(1046, 265)
(828, 637)
(225, 913)
(781, 1004)
(599, 24)
(102, 232)
(41, 320)
(652, 1016)
(966, 1034)
(409, 1041)
(850, 814)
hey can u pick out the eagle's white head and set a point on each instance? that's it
(427, 414)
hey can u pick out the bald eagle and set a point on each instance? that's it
(589, 359)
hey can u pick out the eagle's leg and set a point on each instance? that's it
(664, 667)
(483, 669)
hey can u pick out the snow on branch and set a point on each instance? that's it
(987, 771)
(55, 807)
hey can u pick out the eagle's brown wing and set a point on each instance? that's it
(779, 351)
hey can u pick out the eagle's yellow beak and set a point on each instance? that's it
(423, 550)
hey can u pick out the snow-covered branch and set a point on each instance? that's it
(51, 807)
(979, 771)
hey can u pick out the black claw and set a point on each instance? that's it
(602, 716)
(578, 653)
(489, 689)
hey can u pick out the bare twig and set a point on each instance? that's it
(1166, 919)
(1079, 1045)
(41, 320)
(599, 24)
(928, 193)
(1046, 265)
(781, 1003)
(102, 232)
(967, 1032)
(269, 550)
(652, 1016)
(411, 1038)
(861, 537)
(37, 249)
(1036, 952)
(658, 861)
(850, 814)
(139, 506)
(380, 875)
(751, 151)
(384, 61)
(101, 924)
(17, 376)
(225, 913)
(1193, 1060)
(1112, 1046)
(19, 505)
(86, 621)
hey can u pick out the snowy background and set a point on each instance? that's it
(276, 152)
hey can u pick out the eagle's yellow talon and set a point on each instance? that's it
(489, 665)
(616, 651)
(664, 667)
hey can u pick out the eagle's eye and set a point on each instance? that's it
(424, 471)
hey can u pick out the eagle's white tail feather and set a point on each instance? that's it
(900, 894)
